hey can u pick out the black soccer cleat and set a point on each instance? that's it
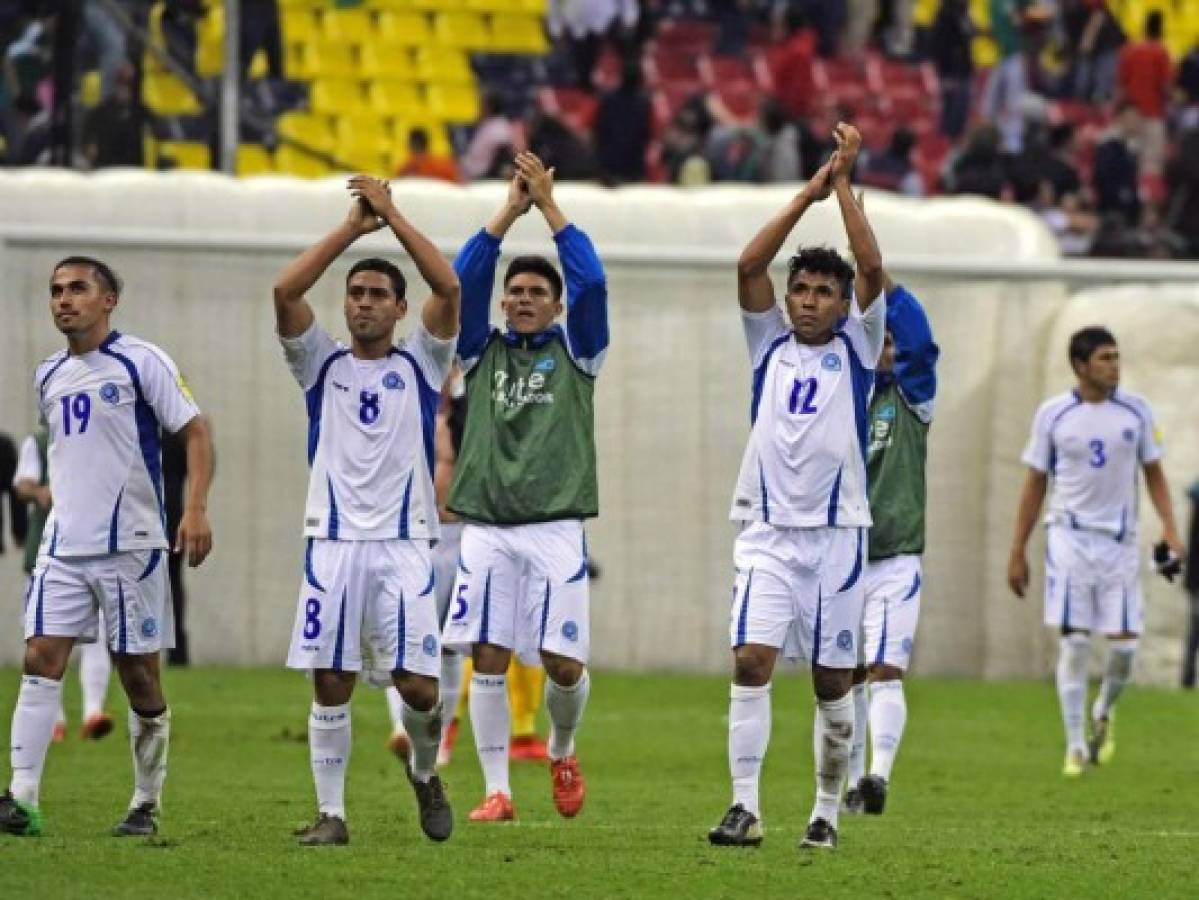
(436, 817)
(21, 819)
(141, 821)
(738, 828)
(820, 835)
(852, 804)
(873, 789)
(326, 831)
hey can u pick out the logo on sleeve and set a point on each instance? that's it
(544, 365)
(831, 361)
(393, 382)
(109, 393)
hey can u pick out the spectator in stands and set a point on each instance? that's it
(1073, 225)
(790, 63)
(112, 131)
(980, 168)
(1007, 83)
(732, 26)
(108, 40)
(32, 146)
(260, 31)
(1188, 90)
(623, 128)
(950, 43)
(736, 153)
(1182, 192)
(1115, 173)
(781, 160)
(1094, 37)
(828, 17)
(582, 27)
(493, 132)
(1145, 77)
(422, 163)
(178, 24)
(561, 149)
(27, 60)
(682, 150)
(892, 169)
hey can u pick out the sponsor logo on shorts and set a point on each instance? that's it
(429, 645)
(832, 362)
(149, 627)
(570, 630)
(393, 382)
(845, 639)
(544, 365)
(109, 393)
(906, 644)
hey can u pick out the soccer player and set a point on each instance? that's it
(802, 491)
(525, 482)
(104, 399)
(901, 411)
(366, 600)
(1091, 441)
(31, 483)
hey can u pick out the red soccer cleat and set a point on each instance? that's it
(401, 746)
(495, 807)
(96, 726)
(446, 748)
(528, 747)
(569, 787)
(60, 732)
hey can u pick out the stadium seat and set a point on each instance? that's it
(740, 98)
(575, 107)
(439, 139)
(353, 26)
(672, 66)
(460, 29)
(408, 28)
(453, 103)
(253, 159)
(395, 98)
(444, 66)
(293, 161)
(166, 95)
(307, 129)
(89, 88)
(333, 96)
(370, 153)
(437, 5)
(517, 34)
(325, 59)
(185, 154)
(298, 26)
(493, 6)
(392, 61)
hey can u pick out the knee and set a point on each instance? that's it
(332, 688)
(490, 659)
(831, 684)
(419, 691)
(141, 683)
(562, 670)
(45, 660)
(751, 669)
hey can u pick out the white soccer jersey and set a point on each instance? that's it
(370, 435)
(104, 410)
(1092, 452)
(805, 463)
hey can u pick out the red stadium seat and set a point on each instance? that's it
(669, 66)
(723, 70)
(574, 107)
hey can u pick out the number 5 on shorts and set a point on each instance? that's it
(460, 601)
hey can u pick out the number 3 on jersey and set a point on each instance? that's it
(803, 392)
(1098, 456)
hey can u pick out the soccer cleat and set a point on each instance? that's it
(1075, 764)
(16, 817)
(738, 828)
(528, 747)
(873, 791)
(820, 835)
(446, 748)
(1103, 740)
(401, 746)
(59, 734)
(495, 807)
(569, 787)
(141, 821)
(96, 726)
(436, 817)
(852, 804)
(326, 831)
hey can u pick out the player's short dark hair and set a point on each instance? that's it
(376, 264)
(537, 265)
(1085, 341)
(109, 280)
(822, 261)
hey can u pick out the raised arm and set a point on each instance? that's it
(293, 315)
(441, 311)
(755, 293)
(1159, 495)
(1031, 497)
(916, 352)
(867, 259)
(195, 534)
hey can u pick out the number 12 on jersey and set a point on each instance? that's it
(803, 393)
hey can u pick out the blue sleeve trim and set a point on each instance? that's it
(915, 351)
(475, 265)
(586, 294)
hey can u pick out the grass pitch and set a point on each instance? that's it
(977, 807)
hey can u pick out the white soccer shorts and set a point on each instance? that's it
(367, 606)
(891, 611)
(64, 596)
(800, 590)
(445, 564)
(524, 588)
(1092, 582)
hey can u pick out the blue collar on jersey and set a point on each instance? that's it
(113, 337)
(531, 341)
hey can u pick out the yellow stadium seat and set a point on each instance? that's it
(536, 7)
(408, 28)
(298, 26)
(369, 153)
(453, 103)
(439, 138)
(210, 58)
(493, 6)
(351, 25)
(314, 131)
(383, 5)
(334, 96)
(166, 95)
(325, 59)
(517, 34)
(253, 159)
(89, 88)
(437, 5)
(359, 126)
(394, 98)
(445, 66)
(293, 161)
(985, 52)
(302, 4)
(460, 29)
(185, 154)
(394, 61)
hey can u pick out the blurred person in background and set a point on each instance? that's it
(1007, 82)
(623, 128)
(781, 160)
(950, 41)
(980, 167)
(1145, 78)
(1182, 191)
(422, 163)
(1115, 174)
(790, 61)
(892, 169)
(582, 26)
(561, 149)
(492, 132)
(1097, 37)
(112, 133)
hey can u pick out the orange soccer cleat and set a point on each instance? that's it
(495, 807)
(401, 746)
(60, 732)
(569, 787)
(528, 747)
(446, 748)
(96, 726)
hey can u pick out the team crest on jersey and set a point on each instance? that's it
(149, 627)
(906, 644)
(392, 381)
(570, 630)
(544, 365)
(109, 393)
(429, 645)
(886, 413)
(1129, 435)
(831, 361)
(845, 639)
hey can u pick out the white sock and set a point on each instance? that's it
(149, 739)
(451, 689)
(95, 667)
(424, 730)
(888, 715)
(831, 739)
(32, 727)
(749, 733)
(565, 707)
(857, 750)
(492, 724)
(1075, 651)
(1120, 654)
(395, 706)
(329, 750)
